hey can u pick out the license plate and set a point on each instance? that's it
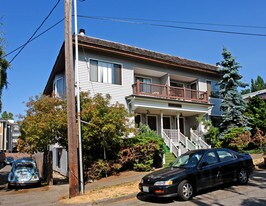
(145, 189)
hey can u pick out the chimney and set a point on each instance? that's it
(82, 32)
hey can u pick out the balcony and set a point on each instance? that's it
(169, 92)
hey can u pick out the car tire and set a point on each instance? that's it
(185, 190)
(242, 177)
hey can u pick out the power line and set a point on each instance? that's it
(35, 31)
(180, 22)
(172, 26)
(34, 37)
(124, 20)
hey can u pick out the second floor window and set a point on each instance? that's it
(105, 72)
(213, 89)
(59, 87)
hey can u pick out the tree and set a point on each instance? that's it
(104, 125)
(257, 84)
(233, 105)
(4, 64)
(7, 115)
(45, 123)
(256, 111)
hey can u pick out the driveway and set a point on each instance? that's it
(44, 195)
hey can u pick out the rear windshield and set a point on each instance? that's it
(24, 165)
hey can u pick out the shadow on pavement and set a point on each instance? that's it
(153, 199)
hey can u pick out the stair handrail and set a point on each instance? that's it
(187, 142)
(199, 142)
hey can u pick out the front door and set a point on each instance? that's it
(152, 122)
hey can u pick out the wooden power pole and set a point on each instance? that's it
(70, 95)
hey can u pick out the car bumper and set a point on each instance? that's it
(161, 191)
(26, 183)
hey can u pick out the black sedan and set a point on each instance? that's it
(196, 170)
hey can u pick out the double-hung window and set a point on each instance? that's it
(105, 72)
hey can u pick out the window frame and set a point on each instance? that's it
(113, 71)
(55, 87)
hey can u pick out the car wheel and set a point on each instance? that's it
(185, 190)
(242, 176)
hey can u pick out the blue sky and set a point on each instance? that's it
(31, 69)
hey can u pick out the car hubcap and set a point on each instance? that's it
(243, 176)
(187, 190)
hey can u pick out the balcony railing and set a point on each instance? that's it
(164, 91)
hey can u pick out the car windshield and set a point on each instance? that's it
(187, 160)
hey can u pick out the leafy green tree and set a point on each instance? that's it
(45, 123)
(256, 111)
(233, 105)
(103, 126)
(7, 115)
(4, 64)
(257, 84)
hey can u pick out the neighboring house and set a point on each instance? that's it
(9, 132)
(166, 92)
(261, 94)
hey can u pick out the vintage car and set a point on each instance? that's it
(196, 170)
(23, 172)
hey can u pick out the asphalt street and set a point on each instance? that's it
(252, 194)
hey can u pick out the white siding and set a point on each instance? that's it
(117, 92)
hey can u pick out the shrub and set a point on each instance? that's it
(143, 151)
(236, 139)
(212, 135)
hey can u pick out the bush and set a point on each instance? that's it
(144, 151)
(103, 168)
(212, 135)
(236, 139)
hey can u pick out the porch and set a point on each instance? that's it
(169, 92)
(176, 130)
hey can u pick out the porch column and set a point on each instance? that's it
(161, 123)
(178, 127)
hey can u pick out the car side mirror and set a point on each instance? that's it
(204, 164)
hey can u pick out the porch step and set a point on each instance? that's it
(169, 157)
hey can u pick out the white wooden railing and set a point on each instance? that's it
(200, 143)
(178, 143)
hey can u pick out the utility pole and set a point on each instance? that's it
(78, 98)
(70, 95)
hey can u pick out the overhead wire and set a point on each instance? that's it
(172, 26)
(45, 19)
(180, 22)
(54, 25)
(126, 20)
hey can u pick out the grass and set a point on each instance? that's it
(169, 157)
(254, 151)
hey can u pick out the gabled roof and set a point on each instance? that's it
(144, 54)
(134, 53)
